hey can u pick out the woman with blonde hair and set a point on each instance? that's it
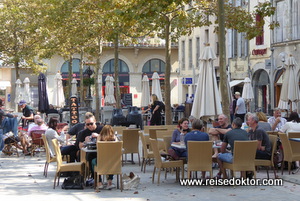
(156, 108)
(106, 134)
(263, 121)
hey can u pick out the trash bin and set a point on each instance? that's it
(135, 117)
(118, 118)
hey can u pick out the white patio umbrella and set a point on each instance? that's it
(74, 87)
(156, 86)
(247, 94)
(18, 93)
(145, 91)
(289, 94)
(207, 104)
(109, 90)
(27, 92)
(58, 93)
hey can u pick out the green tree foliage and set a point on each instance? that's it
(20, 38)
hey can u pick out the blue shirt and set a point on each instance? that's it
(195, 135)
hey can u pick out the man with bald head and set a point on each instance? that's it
(218, 132)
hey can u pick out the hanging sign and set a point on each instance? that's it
(74, 114)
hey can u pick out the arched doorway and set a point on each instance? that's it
(261, 86)
(155, 65)
(109, 69)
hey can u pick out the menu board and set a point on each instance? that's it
(127, 99)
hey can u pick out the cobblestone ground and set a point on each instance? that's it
(22, 178)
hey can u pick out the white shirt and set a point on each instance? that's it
(272, 120)
(240, 103)
(52, 134)
(290, 126)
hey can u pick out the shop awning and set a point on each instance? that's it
(235, 82)
(4, 84)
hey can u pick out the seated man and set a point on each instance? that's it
(197, 134)
(236, 134)
(264, 145)
(219, 131)
(27, 113)
(89, 134)
(2, 116)
(51, 110)
(277, 122)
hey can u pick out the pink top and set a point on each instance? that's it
(37, 127)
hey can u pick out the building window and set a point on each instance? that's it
(280, 32)
(295, 19)
(155, 65)
(197, 51)
(183, 55)
(206, 36)
(260, 38)
(190, 53)
(75, 69)
(109, 68)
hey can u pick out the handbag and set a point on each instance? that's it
(73, 182)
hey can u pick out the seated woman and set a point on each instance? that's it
(263, 122)
(183, 127)
(293, 125)
(51, 133)
(106, 134)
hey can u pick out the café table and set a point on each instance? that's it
(83, 153)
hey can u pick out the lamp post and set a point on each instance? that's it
(88, 72)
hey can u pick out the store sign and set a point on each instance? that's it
(187, 80)
(259, 51)
(74, 114)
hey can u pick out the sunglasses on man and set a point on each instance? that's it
(89, 124)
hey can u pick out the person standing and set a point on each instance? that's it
(156, 109)
(232, 108)
(240, 109)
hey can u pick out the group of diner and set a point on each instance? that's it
(242, 126)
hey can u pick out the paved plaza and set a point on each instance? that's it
(22, 178)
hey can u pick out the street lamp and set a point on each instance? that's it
(88, 72)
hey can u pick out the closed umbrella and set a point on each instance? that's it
(145, 91)
(27, 92)
(109, 90)
(18, 93)
(156, 86)
(289, 94)
(247, 94)
(58, 94)
(74, 87)
(207, 104)
(43, 96)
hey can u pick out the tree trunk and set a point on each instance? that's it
(116, 65)
(17, 70)
(97, 68)
(168, 113)
(70, 77)
(81, 78)
(223, 74)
